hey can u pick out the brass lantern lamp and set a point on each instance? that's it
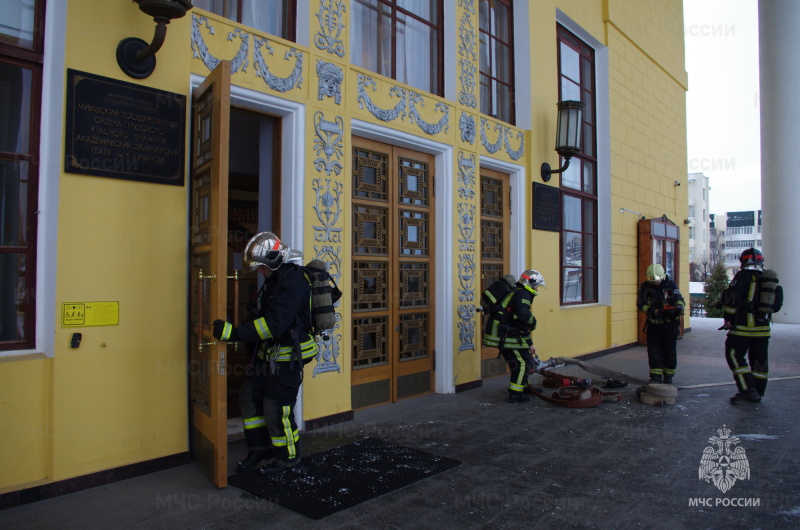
(136, 57)
(568, 135)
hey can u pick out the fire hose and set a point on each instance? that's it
(581, 394)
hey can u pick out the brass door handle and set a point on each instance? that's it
(201, 344)
(209, 277)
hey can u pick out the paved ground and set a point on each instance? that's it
(618, 465)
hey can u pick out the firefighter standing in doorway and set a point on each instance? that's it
(662, 302)
(282, 344)
(509, 329)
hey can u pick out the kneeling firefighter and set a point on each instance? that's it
(282, 344)
(509, 329)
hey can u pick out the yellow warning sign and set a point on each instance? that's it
(81, 314)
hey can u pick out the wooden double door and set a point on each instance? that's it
(393, 279)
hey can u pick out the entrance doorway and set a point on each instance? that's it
(253, 184)
(393, 304)
(495, 251)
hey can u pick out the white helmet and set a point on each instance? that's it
(264, 248)
(532, 278)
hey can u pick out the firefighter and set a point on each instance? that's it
(282, 344)
(509, 329)
(748, 328)
(662, 302)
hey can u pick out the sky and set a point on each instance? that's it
(722, 103)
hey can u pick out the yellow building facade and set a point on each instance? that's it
(413, 197)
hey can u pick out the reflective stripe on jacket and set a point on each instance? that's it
(739, 306)
(284, 305)
(511, 326)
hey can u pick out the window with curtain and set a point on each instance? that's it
(276, 17)
(21, 58)
(497, 59)
(401, 39)
(579, 181)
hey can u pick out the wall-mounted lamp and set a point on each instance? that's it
(568, 135)
(137, 58)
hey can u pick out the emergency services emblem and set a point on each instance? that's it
(723, 464)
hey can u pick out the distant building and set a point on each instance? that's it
(698, 220)
(716, 227)
(743, 230)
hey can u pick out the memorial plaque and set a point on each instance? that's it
(123, 130)
(546, 207)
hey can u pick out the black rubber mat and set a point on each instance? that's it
(337, 479)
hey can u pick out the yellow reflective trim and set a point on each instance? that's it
(287, 429)
(760, 375)
(741, 333)
(254, 423)
(227, 331)
(262, 329)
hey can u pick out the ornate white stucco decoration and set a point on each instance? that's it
(328, 143)
(407, 105)
(330, 15)
(329, 147)
(504, 133)
(467, 126)
(281, 84)
(330, 81)
(467, 55)
(240, 61)
(466, 251)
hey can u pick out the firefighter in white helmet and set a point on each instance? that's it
(282, 345)
(662, 302)
(509, 329)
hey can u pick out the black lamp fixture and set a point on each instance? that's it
(137, 58)
(568, 135)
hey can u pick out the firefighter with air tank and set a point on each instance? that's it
(509, 329)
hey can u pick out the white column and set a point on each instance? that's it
(779, 65)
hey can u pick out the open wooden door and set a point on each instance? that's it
(208, 254)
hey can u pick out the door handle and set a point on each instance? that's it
(201, 344)
(209, 277)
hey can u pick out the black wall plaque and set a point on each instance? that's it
(546, 207)
(123, 130)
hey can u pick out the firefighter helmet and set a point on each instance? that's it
(264, 248)
(656, 274)
(532, 278)
(752, 259)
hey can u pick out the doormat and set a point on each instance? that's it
(340, 478)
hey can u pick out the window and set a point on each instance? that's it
(579, 181)
(21, 44)
(401, 39)
(276, 17)
(497, 59)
